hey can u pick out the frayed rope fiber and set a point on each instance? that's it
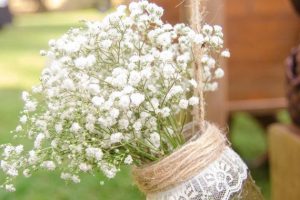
(183, 164)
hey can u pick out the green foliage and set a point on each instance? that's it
(248, 138)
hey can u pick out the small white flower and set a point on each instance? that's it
(124, 101)
(19, 149)
(32, 157)
(12, 172)
(98, 101)
(137, 99)
(58, 128)
(165, 112)
(30, 106)
(80, 62)
(75, 128)
(166, 56)
(116, 138)
(137, 126)
(19, 128)
(23, 119)
(123, 123)
(218, 28)
(216, 40)
(177, 89)
(183, 103)
(8, 150)
(205, 59)
(38, 140)
(85, 167)
(225, 54)
(10, 188)
(207, 29)
(109, 171)
(164, 39)
(52, 43)
(168, 70)
(134, 59)
(193, 83)
(127, 89)
(219, 73)
(134, 78)
(94, 89)
(154, 102)
(106, 44)
(114, 113)
(90, 126)
(211, 62)
(54, 143)
(194, 101)
(65, 176)
(68, 84)
(49, 165)
(4, 165)
(43, 52)
(25, 96)
(128, 160)
(155, 139)
(199, 39)
(75, 179)
(94, 153)
(144, 115)
(91, 60)
(211, 86)
(27, 173)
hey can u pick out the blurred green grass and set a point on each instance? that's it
(20, 66)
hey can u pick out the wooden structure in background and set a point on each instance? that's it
(284, 151)
(260, 35)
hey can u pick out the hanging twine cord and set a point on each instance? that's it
(196, 20)
(182, 164)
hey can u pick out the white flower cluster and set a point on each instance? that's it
(113, 92)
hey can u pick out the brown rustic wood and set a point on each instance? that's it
(284, 142)
(258, 106)
(260, 35)
(173, 10)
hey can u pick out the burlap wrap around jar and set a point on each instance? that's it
(205, 168)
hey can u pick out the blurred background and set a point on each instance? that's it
(259, 33)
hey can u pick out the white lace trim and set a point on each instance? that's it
(219, 181)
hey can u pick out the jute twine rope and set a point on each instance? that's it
(195, 21)
(182, 164)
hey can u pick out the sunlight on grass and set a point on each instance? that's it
(248, 138)
(55, 18)
(20, 43)
(22, 71)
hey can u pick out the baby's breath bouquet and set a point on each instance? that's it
(113, 92)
